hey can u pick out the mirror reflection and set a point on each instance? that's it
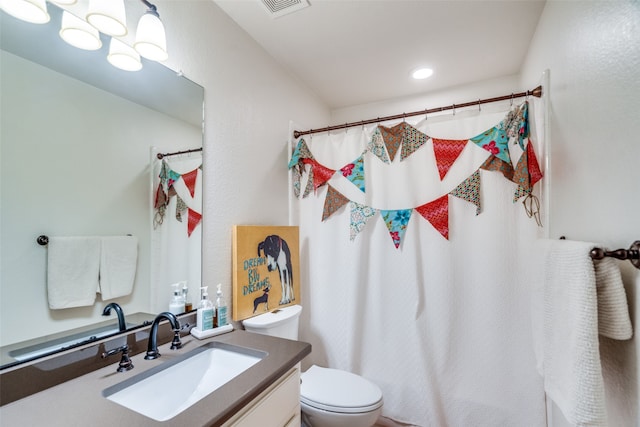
(79, 144)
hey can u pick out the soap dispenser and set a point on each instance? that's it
(221, 308)
(185, 296)
(206, 311)
(176, 305)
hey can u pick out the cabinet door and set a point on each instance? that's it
(278, 406)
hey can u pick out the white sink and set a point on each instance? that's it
(165, 391)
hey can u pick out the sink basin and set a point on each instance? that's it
(166, 390)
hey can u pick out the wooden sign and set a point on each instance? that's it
(266, 272)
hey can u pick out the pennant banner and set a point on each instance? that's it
(193, 221)
(437, 213)
(189, 179)
(412, 139)
(446, 152)
(376, 146)
(396, 221)
(332, 202)
(535, 174)
(494, 141)
(360, 214)
(321, 174)
(354, 172)
(469, 190)
(301, 152)
(496, 164)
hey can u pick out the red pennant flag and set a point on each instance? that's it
(321, 174)
(446, 152)
(190, 180)
(535, 174)
(194, 220)
(437, 213)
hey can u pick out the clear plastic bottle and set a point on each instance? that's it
(185, 296)
(221, 308)
(206, 311)
(176, 305)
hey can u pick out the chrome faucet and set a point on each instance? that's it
(122, 325)
(152, 347)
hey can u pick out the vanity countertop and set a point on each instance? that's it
(80, 401)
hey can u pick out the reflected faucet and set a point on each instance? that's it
(122, 325)
(152, 347)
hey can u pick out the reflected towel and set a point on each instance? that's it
(118, 263)
(580, 299)
(72, 271)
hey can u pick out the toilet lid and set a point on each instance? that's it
(338, 391)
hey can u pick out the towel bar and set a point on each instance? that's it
(43, 240)
(632, 254)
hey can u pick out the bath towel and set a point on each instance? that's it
(72, 271)
(581, 298)
(118, 261)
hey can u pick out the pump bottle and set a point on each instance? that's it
(176, 305)
(221, 308)
(206, 311)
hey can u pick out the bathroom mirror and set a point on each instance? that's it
(77, 158)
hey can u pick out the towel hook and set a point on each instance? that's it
(42, 240)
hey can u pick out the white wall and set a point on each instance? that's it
(592, 50)
(249, 101)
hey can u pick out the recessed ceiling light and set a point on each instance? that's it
(422, 73)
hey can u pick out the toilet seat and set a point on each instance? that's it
(338, 391)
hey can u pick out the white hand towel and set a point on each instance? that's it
(118, 263)
(570, 353)
(72, 271)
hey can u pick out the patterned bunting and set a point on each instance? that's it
(189, 179)
(321, 174)
(516, 123)
(412, 139)
(376, 146)
(297, 177)
(194, 220)
(354, 172)
(181, 206)
(494, 141)
(437, 213)
(446, 152)
(469, 190)
(332, 202)
(309, 186)
(392, 138)
(396, 221)
(495, 164)
(301, 152)
(360, 214)
(535, 174)
(520, 192)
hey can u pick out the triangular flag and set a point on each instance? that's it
(181, 206)
(354, 172)
(521, 173)
(494, 141)
(396, 221)
(297, 178)
(516, 123)
(437, 213)
(376, 146)
(189, 179)
(321, 174)
(309, 187)
(333, 201)
(412, 139)
(521, 192)
(161, 197)
(469, 190)
(360, 214)
(496, 164)
(301, 152)
(535, 174)
(392, 138)
(194, 220)
(446, 152)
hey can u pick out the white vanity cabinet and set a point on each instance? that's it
(277, 406)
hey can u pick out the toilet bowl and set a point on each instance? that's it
(328, 397)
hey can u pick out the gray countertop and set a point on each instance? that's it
(79, 402)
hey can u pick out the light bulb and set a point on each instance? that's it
(34, 11)
(151, 40)
(79, 33)
(108, 16)
(123, 56)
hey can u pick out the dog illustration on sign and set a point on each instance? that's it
(278, 257)
(264, 298)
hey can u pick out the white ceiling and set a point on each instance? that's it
(351, 52)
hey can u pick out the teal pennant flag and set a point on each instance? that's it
(354, 172)
(397, 221)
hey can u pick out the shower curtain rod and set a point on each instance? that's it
(537, 92)
(161, 155)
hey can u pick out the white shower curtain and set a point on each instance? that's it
(175, 255)
(442, 326)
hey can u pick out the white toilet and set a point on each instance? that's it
(328, 397)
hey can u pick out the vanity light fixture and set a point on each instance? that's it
(108, 16)
(79, 33)
(34, 11)
(422, 73)
(151, 40)
(123, 56)
(64, 2)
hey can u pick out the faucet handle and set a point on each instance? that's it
(125, 362)
(176, 343)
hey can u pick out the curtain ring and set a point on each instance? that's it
(511, 99)
(362, 125)
(404, 117)
(426, 114)
(346, 128)
(479, 107)
(454, 109)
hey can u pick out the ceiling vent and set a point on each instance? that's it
(277, 8)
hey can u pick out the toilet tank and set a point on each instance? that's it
(282, 323)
